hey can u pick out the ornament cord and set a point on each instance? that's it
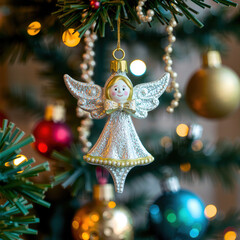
(118, 33)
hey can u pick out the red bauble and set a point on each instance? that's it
(2, 117)
(95, 4)
(51, 136)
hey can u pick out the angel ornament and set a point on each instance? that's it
(118, 148)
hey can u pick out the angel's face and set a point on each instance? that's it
(119, 92)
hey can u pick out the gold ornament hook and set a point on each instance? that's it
(118, 64)
(116, 50)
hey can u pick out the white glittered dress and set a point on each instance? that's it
(119, 144)
(118, 148)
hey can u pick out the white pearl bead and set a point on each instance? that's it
(90, 73)
(168, 68)
(140, 14)
(83, 66)
(170, 109)
(148, 19)
(87, 39)
(173, 74)
(175, 84)
(150, 13)
(89, 144)
(90, 44)
(86, 56)
(174, 103)
(166, 57)
(173, 23)
(92, 53)
(84, 76)
(140, 3)
(92, 63)
(171, 39)
(169, 29)
(168, 49)
(139, 8)
(87, 33)
(177, 95)
(94, 37)
(169, 62)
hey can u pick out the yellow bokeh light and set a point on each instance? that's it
(111, 204)
(85, 226)
(230, 235)
(19, 159)
(95, 217)
(85, 236)
(166, 142)
(75, 224)
(185, 167)
(70, 38)
(34, 28)
(182, 130)
(210, 211)
(197, 145)
(138, 67)
(7, 164)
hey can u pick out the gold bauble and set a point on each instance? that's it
(214, 90)
(102, 219)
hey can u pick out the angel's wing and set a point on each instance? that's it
(146, 95)
(90, 96)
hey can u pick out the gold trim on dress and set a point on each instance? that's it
(118, 163)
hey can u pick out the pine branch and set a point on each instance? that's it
(15, 187)
(78, 175)
(80, 15)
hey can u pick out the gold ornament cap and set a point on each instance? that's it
(48, 112)
(55, 112)
(103, 192)
(118, 65)
(212, 59)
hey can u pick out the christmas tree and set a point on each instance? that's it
(55, 39)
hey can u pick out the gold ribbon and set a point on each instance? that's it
(111, 106)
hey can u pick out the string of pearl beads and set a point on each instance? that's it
(87, 68)
(174, 86)
(142, 17)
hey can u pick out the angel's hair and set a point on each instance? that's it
(113, 81)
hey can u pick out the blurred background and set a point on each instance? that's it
(34, 59)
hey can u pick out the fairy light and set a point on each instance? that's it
(138, 67)
(230, 235)
(75, 224)
(166, 142)
(185, 167)
(210, 211)
(111, 204)
(85, 226)
(70, 38)
(182, 130)
(197, 145)
(19, 159)
(34, 28)
(95, 217)
(85, 236)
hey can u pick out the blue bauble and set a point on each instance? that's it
(178, 216)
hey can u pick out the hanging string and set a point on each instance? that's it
(118, 41)
(118, 32)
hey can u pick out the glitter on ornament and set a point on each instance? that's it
(118, 148)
